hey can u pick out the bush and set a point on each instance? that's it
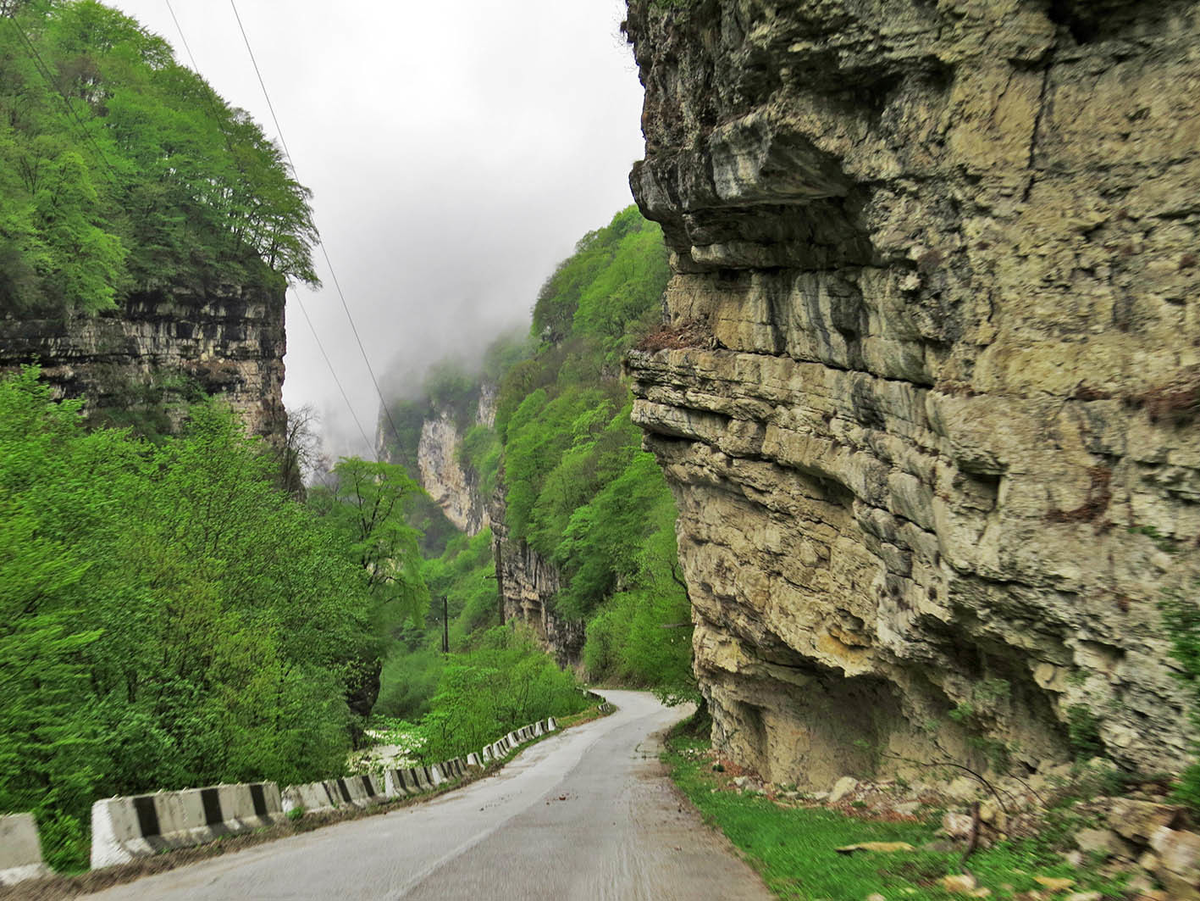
(506, 681)
(171, 618)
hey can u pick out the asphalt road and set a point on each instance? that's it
(586, 814)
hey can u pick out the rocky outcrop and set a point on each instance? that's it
(453, 488)
(927, 392)
(141, 363)
(527, 584)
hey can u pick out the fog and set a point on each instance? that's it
(456, 152)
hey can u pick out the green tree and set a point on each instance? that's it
(168, 617)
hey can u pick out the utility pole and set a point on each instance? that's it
(445, 626)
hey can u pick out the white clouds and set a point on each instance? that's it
(456, 151)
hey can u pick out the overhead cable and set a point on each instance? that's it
(320, 242)
(295, 295)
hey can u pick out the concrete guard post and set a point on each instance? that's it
(142, 825)
(421, 777)
(551, 725)
(398, 783)
(20, 849)
(473, 758)
(355, 791)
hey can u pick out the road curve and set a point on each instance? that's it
(585, 814)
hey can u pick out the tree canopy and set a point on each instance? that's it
(121, 170)
(168, 617)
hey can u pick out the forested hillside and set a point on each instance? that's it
(172, 619)
(122, 170)
(169, 616)
(573, 483)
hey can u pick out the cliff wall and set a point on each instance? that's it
(527, 584)
(141, 363)
(526, 581)
(927, 395)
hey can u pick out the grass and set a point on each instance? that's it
(793, 848)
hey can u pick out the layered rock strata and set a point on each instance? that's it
(140, 363)
(927, 395)
(527, 584)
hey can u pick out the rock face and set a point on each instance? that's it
(450, 486)
(527, 584)
(927, 395)
(139, 363)
(453, 488)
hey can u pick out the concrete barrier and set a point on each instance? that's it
(551, 725)
(401, 782)
(473, 759)
(355, 791)
(20, 850)
(142, 825)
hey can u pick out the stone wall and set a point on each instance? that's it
(927, 392)
(141, 363)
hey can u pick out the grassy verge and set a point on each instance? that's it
(793, 848)
(60, 887)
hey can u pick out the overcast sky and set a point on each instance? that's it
(456, 152)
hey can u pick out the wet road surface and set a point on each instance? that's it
(587, 814)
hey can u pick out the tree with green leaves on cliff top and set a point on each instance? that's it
(121, 170)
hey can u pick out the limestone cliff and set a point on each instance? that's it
(140, 363)
(528, 582)
(927, 395)
(453, 487)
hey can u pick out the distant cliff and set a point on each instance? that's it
(141, 363)
(455, 488)
(928, 393)
(528, 583)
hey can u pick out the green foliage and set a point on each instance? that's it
(366, 502)
(609, 289)
(464, 575)
(505, 681)
(170, 618)
(1083, 732)
(791, 847)
(1181, 617)
(149, 179)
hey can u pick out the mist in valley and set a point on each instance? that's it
(455, 153)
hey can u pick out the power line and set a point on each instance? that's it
(295, 296)
(48, 77)
(320, 243)
(333, 372)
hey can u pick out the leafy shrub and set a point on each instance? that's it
(171, 618)
(506, 681)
